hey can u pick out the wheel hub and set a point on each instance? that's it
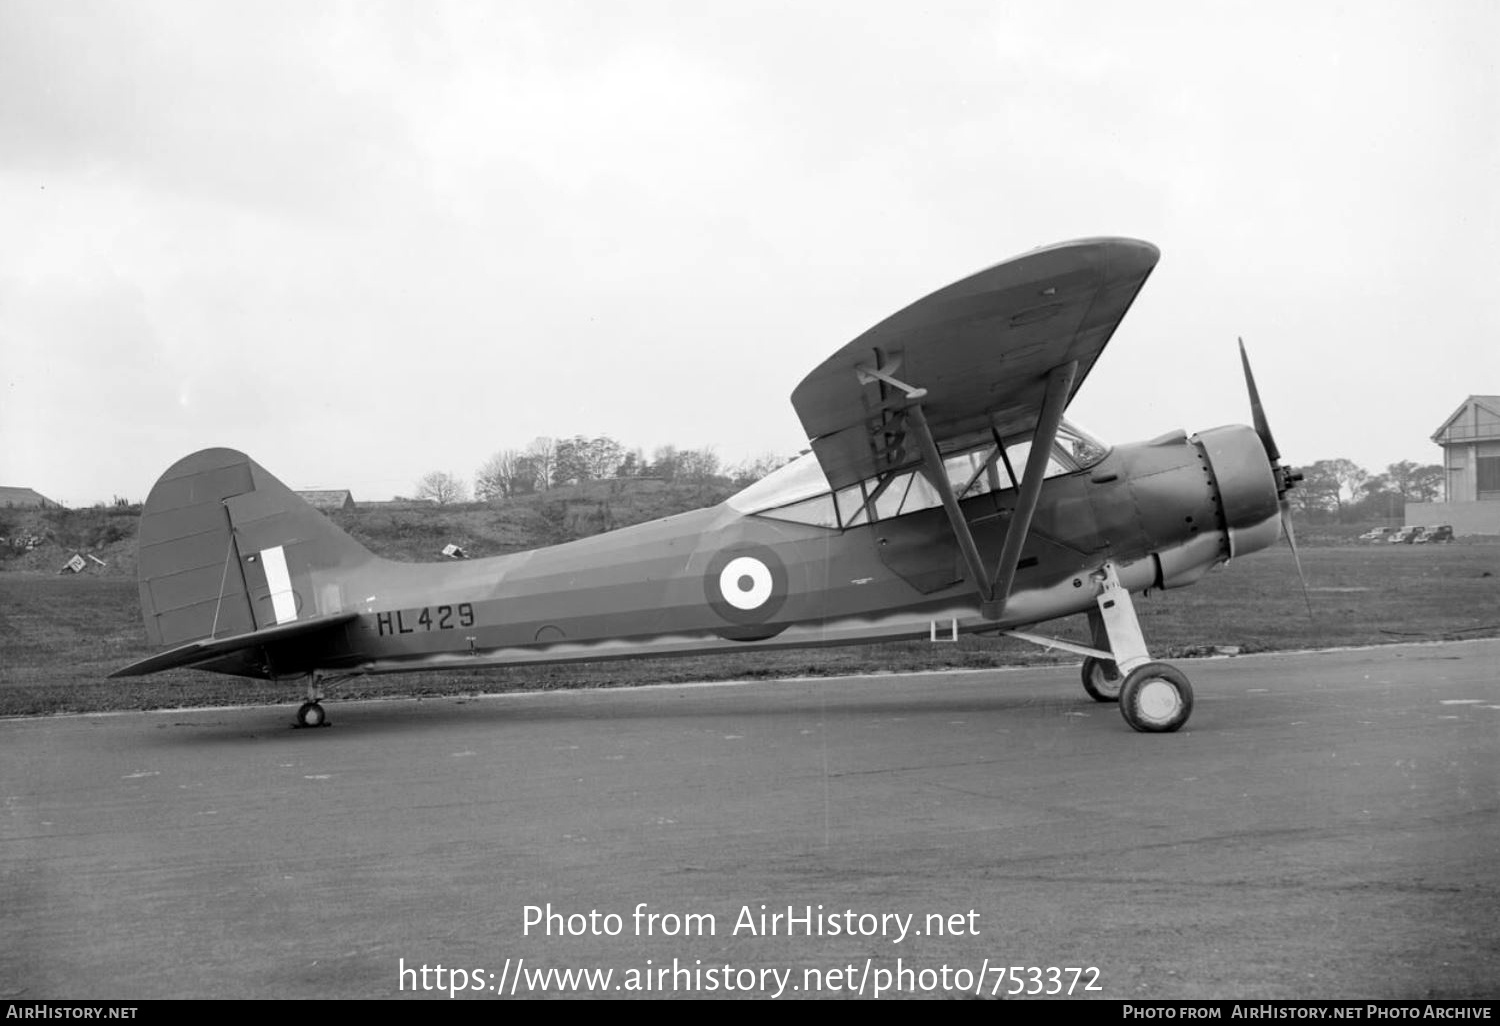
(1159, 701)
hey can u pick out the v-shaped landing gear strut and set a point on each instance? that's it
(1154, 697)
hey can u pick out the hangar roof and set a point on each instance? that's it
(1477, 419)
(328, 498)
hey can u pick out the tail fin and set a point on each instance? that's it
(226, 549)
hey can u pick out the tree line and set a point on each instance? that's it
(549, 463)
(1341, 490)
(1330, 490)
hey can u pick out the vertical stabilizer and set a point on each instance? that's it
(226, 549)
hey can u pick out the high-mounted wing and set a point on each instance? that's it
(996, 355)
(982, 349)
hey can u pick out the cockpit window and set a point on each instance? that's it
(817, 511)
(851, 503)
(1079, 447)
(799, 492)
(800, 479)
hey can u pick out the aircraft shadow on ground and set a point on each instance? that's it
(376, 719)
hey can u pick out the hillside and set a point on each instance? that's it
(418, 532)
(411, 532)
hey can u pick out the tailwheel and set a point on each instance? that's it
(311, 714)
(1102, 679)
(1156, 698)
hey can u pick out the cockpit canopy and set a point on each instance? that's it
(799, 492)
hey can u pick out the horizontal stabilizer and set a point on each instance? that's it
(212, 648)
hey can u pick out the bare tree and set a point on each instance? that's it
(631, 464)
(747, 472)
(542, 454)
(664, 462)
(442, 488)
(697, 464)
(496, 479)
(1349, 476)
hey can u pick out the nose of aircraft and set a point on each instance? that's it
(1246, 487)
(1252, 482)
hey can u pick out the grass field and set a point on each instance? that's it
(61, 636)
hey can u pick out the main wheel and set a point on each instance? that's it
(1102, 680)
(1156, 698)
(311, 715)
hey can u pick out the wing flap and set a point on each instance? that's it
(195, 652)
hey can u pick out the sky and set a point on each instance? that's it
(365, 241)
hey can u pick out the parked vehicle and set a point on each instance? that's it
(1378, 534)
(1436, 533)
(1406, 535)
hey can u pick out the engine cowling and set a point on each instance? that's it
(1245, 485)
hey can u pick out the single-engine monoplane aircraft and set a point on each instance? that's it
(944, 493)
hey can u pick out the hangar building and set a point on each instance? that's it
(1470, 438)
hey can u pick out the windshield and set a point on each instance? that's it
(1075, 444)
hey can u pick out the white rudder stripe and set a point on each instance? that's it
(283, 601)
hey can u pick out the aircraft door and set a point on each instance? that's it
(912, 535)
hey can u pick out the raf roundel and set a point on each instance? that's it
(746, 583)
(746, 586)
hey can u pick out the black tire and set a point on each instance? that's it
(311, 714)
(1156, 698)
(1102, 679)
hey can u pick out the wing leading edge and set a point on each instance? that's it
(980, 351)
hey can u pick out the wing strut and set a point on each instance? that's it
(1059, 386)
(917, 421)
(934, 460)
(993, 591)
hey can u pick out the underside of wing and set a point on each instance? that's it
(243, 654)
(981, 349)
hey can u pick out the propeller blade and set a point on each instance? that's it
(1291, 539)
(1285, 478)
(1257, 412)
